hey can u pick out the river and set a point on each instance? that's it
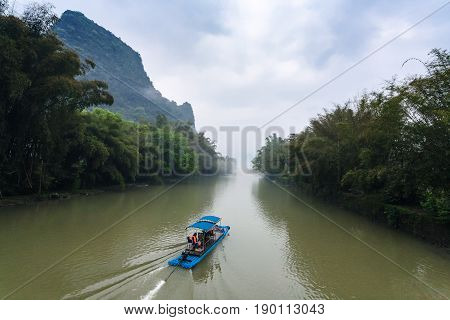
(278, 248)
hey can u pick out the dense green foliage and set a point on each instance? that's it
(394, 143)
(121, 68)
(50, 140)
(39, 101)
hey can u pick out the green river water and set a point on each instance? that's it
(278, 248)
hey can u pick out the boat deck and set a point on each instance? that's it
(193, 256)
(198, 252)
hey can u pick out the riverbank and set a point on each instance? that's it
(410, 220)
(19, 200)
(406, 219)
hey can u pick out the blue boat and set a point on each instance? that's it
(208, 233)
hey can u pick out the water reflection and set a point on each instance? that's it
(330, 263)
(207, 273)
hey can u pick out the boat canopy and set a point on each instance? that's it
(211, 219)
(205, 223)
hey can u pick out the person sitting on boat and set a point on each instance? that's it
(210, 235)
(196, 241)
(190, 242)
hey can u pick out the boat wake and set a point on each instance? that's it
(113, 282)
(152, 292)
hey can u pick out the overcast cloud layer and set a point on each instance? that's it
(243, 62)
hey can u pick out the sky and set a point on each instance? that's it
(241, 63)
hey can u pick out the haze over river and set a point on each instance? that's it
(278, 248)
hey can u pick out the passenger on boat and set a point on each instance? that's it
(190, 242)
(197, 241)
(210, 235)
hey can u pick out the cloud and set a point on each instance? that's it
(243, 62)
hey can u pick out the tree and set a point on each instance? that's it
(53, 136)
(3, 6)
(39, 17)
(393, 143)
(39, 97)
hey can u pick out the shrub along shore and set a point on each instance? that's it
(385, 154)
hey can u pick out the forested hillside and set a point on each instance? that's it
(121, 68)
(53, 136)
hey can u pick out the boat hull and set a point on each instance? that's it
(191, 260)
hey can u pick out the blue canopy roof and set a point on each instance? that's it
(212, 219)
(205, 223)
(202, 225)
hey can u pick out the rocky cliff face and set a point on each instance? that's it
(121, 67)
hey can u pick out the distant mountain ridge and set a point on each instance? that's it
(121, 67)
